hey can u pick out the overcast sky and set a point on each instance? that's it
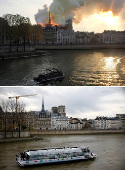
(80, 102)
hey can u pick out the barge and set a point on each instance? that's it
(54, 156)
(49, 76)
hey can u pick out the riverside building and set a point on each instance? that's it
(106, 123)
(59, 123)
(113, 37)
(122, 117)
(75, 124)
(59, 120)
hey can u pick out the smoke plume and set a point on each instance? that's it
(62, 10)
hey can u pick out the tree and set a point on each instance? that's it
(36, 34)
(25, 32)
(3, 30)
(19, 28)
(23, 126)
(10, 29)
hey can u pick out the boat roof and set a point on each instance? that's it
(53, 151)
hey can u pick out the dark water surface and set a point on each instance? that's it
(110, 150)
(85, 67)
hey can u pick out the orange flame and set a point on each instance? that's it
(52, 22)
(41, 24)
(107, 14)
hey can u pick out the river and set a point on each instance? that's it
(81, 67)
(110, 152)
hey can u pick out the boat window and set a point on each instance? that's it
(74, 154)
(88, 150)
(84, 150)
(59, 148)
(80, 153)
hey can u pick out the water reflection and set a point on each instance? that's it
(99, 68)
(111, 63)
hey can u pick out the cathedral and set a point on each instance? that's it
(43, 119)
(56, 34)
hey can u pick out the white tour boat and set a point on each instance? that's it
(54, 155)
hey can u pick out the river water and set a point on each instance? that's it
(110, 150)
(81, 67)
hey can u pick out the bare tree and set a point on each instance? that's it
(11, 116)
(4, 111)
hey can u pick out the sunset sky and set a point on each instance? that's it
(88, 15)
(80, 102)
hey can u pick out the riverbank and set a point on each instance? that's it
(37, 135)
(15, 140)
(41, 49)
(80, 47)
(79, 132)
(22, 54)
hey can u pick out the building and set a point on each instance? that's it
(113, 37)
(50, 33)
(66, 37)
(58, 111)
(54, 111)
(84, 37)
(114, 123)
(62, 111)
(56, 34)
(106, 123)
(122, 117)
(59, 123)
(43, 119)
(75, 124)
(30, 120)
(84, 123)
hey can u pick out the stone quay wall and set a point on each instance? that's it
(81, 132)
(14, 134)
(39, 133)
(80, 47)
(6, 49)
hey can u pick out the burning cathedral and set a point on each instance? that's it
(57, 34)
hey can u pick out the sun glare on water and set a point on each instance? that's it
(107, 17)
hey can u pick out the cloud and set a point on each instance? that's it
(82, 13)
(84, 102)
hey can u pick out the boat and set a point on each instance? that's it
(49, 76)
(54, 156)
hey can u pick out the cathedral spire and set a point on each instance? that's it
(43, 109)
(49, 18)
